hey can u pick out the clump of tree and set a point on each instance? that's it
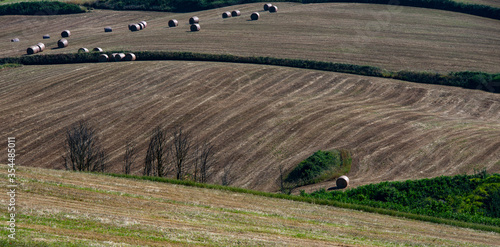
(471, 198)
(320, 166)
(129, 157)
(84, 151)
(40, 8)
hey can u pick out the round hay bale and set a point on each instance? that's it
(119, 56)
(141, 25)
(195, 27)
(98, 49)
(108, 29)
(226, 14)
(83, 50)
(65, 33)
(267, 6)
(194, 20)
(103, 58)
(273, 9)
(254, 16)
(135, 27)
(62, 43)
(235, 13)
(173, 23)
(33, 49)
(41, 46)
(130, 57)
(342, 182)
(112, 57)
(130, 26)
(14, 40)
(46, 36)
(145, 23)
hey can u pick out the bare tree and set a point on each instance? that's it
(180, 149)
(227, 179)
(155, 163)
(206, 155)
(129, 157)
(203, 160)
(83, 149)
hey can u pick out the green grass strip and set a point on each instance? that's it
(317, 201)
(467, 79)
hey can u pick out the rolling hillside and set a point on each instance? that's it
(257, 116)
(59, 208)
(391, 37)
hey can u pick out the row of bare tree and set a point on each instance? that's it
(167, 152)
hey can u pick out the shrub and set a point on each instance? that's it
(320, 166)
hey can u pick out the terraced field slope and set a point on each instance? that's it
(258, 117)
(391, 37)
(59, 208)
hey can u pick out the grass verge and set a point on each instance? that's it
(318, 201)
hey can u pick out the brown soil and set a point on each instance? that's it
(258, 117)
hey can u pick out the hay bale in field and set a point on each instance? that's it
(103, 58)
(119, 56)
(144, 23)
(195, 27)
(46, 36)
(194, 20)
(130, 57)
(141, 25)
(173, 23)
(267, 6)
(65, 33)
(108, 29)
(62, 43)
(98, 49)
(41, 46)
(254, 16)
(32, 49)
(226, 14)
(342, 182)
(83, 50)
(14, 40)
(135, 27)
(235, 13)
(273, 9)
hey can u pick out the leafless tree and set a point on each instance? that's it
(83, 149)
(227, 179)
(155, 163)
(129, 157)
(206, 155)
(180, 149)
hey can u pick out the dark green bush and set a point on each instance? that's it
(40, 8)
(320, 166)
(471, 198)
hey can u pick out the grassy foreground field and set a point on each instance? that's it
(258, 117)
(59, 208)
(390, 37)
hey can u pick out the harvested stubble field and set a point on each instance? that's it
(391, 37)
(60, 208)
(258, 117)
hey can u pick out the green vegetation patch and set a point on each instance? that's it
(468, 198)
(320, 166)
(40, 8)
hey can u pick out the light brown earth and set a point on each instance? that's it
(391, 37)
(258, 117)
(59, 207)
